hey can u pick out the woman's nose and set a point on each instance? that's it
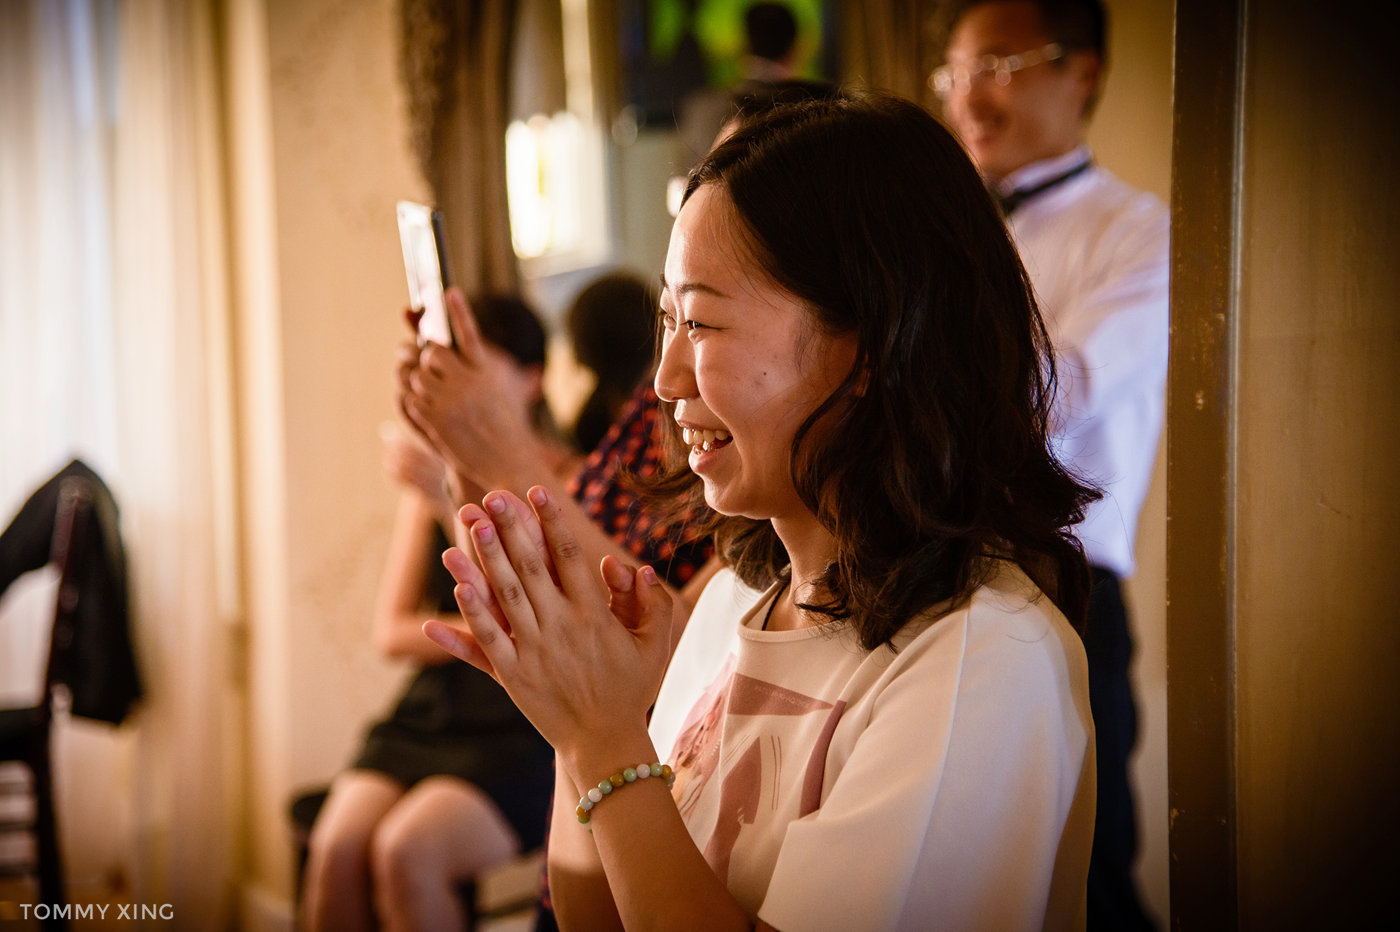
(675, 373)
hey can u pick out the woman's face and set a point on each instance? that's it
(741, 360)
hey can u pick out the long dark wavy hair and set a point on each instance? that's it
(932, 455)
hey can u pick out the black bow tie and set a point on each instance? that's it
(1018, 197)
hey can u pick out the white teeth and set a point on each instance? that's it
(703, 439)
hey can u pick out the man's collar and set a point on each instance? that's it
(1028, 176)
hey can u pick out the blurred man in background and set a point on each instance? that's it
(1019, 87)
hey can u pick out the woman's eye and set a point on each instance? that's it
(695, 325)
(668, 320)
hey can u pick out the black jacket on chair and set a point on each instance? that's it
(98, 664)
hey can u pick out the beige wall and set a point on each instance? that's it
(318, 129)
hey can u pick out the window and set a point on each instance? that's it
(555, 179)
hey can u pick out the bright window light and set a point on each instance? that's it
(543, 155)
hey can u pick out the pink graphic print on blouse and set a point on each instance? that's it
(756, 724)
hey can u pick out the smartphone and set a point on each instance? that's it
(425, 261)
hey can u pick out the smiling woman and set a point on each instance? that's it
(857, 375)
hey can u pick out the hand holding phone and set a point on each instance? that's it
(425, 262)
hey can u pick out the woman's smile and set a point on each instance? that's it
(704, 440)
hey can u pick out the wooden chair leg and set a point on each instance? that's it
(51, 887)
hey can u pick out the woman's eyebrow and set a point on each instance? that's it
(685, 288)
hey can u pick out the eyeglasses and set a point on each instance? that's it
(951, 79)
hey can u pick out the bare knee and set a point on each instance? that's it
(337, 852)
(336, 890)
(403, 858)
(444, 832)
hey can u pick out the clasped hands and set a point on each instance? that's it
(583, 662)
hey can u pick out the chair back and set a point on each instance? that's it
(70, 528)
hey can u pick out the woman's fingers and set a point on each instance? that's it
(574, 575)
(532, 528)
(465, 332)
(460, 564)
(636, 597)
(506, 586)
(434, 359)
(642, 605)
(518, 534)
(405, 367)
(459, 645)
(526, 604)
(490, 625)
(405, 355)
(621, 581)
(618, 576)
(653, 604)
(470, 513)
(416, 417)
(485, 644)
(466, 572)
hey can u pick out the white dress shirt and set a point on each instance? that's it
(1096, 251)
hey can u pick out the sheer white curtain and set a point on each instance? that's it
(56, 114)
(114, 346)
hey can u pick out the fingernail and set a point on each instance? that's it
(483, 531)
(649, 575)
(495, 504)
(539, 496)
